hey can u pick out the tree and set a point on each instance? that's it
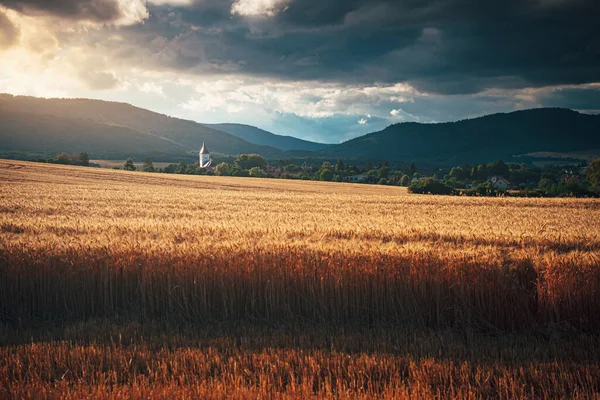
(247, 161)
(429, 185)
(592, 173)
(545, 184)
(405, 180)
(340, 167)
(292, 168)
(353, 169)
(256, 172)
(524, 176)
(181, 168)
(410, 171)
(382, 181)
(62, 158)
(498, 168)
(326, 175)
(223, 169)
(148, 165)
(459, 173)
(326, 165)
(84, 159)
(484, 188)
(129, 166)
(237, 171)
(384, 172)
(480, 173)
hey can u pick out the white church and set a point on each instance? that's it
(205, 160)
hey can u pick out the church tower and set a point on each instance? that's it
(204, 157)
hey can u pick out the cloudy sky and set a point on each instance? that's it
(323, 70)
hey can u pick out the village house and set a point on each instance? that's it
(357, 178)
(500, 183)
(275, 171)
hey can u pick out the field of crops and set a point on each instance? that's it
(119, 284)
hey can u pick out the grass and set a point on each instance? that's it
(266, 288)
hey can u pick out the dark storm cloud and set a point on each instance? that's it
(443, 46)
(90, 10)
(318, 12)
(8, 32)
(439, 46)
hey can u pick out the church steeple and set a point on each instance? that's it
(204, 157)
(204, 150)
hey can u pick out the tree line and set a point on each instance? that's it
(254, 165)
(244, 165)
(81, 159)
(576, 180)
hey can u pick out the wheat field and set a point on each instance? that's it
(125, 284)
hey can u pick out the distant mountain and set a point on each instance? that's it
(259, 136)
(99, 126)
(492, 137)
(49, 134)
(115, 130)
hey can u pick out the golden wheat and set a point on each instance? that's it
(81, 243)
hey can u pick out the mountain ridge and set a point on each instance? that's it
(480, 139)
(188, 134)
(260, 136)
(111, 129)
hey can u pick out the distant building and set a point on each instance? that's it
(205, 160)
(357, 178)
(569, 178)
(500, 183)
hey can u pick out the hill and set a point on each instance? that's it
(259, 136)
(492, 137)
(117, 130)
(101, 127)
(48, 134)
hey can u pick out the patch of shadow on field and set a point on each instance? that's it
(11, 166)
(498, 202)
(44, 211)
(8, 227)
(63, 230)
(9, 210)
(560, 246)
(557, 343)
